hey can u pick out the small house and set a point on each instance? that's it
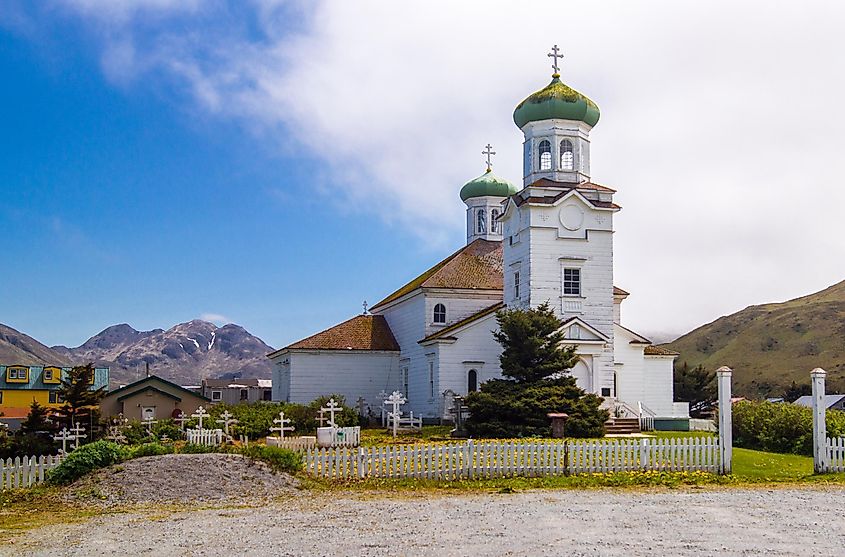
(831, 402)
(151, 398)
(236, 391)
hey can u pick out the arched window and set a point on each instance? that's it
(439, 313)
(545, 151)
(567, 155)
(495, 225)
(480, 222)
(472, 381)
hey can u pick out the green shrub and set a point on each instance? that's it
(280, 460)
(86, 459)
(149, 449)
(780, 427)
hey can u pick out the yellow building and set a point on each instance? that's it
(20, 385)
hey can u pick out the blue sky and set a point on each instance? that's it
(276, 162)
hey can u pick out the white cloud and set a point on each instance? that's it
(721, 125)
(215, 318)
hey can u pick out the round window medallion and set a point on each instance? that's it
(572, 217)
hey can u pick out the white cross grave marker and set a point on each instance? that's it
(148, 422)
(226, 419)
(200, 413)
(116, 432)
(78, 432)
(181, 419)
(281, 420)
(396, 400)
(64, 436)
(332, 407)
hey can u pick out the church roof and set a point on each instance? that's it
(362, 332)
(477, 266)
(587, 190)
(659, 351)
(444, 332)
(487, 184)
(556, 100)
(619, 292)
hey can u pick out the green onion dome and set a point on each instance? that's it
(487, 184)
(556, 100)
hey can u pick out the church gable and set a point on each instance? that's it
(477, 266)
(576, 329)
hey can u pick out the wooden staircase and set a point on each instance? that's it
(622, 426)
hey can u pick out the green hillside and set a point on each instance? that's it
(771, 345)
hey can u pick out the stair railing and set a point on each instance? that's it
(646, 416)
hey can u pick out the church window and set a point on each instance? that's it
(472, 381)
(404, 373)
(495, 225)
(575, 332)
(567, 156)
(516, 284)
(572, 282)
(431, 379)
(440, 313)
(545, 152)
(480, 222)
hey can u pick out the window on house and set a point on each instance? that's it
(440, 313)
(48, 374)
(216, 395)
(267, 395)
(431, 379)
(545, 151)
(244, 394)
(20, 373)
(53, 397)
(605, 391)
(572, 282)
(495, 225)
(516, 284)
(480, 222)
(567, 156)
(472, 381)
(1, 397)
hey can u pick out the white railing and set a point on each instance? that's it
(26, 471)
(494, 459)
(338, 436)
(836, 454)
(646, 416)
(207, 437)
(405, 422)
(293, 443)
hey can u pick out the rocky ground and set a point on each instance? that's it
(697, 522)
(182, 479)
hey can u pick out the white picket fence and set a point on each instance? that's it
(494, 459)
(836, 454)
(338, 436)
(293, 443)
(26, 471)
(207, 437)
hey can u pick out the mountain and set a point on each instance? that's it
(185, 353)
(771, 345)
(18, 348)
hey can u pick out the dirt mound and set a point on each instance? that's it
(183, 478)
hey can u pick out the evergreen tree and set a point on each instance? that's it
(696, 386)
(537, 382)
(80, 400)
(37, 420)
(796, 391)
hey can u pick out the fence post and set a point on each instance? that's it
(723, 376)
(820, 456)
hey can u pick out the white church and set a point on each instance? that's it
(550, 241)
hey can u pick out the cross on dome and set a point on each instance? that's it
(489, 152)
(555, 55)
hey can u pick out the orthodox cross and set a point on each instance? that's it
(78, 432)
(181, 419)
(365, 307)
(226, 419)
(149, 421)
(116, 432)
(362, 406)
(396, 400)
(458, 409)
(554, 54)
(489, 152)
(332, 407)
(281, 420)
(64, 436)
(322, 418)
(200, 413)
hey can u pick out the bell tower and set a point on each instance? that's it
(484, 197)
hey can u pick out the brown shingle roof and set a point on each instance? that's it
(362, 332)
(477, 266)
(659, 351)
(619, 292)
(547, 183)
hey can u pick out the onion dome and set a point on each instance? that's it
(556, 100)
(487, 184)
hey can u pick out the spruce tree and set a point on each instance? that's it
(80, 400)
(37, 419)
(696, 386)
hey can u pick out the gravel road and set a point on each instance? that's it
(574, 523)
